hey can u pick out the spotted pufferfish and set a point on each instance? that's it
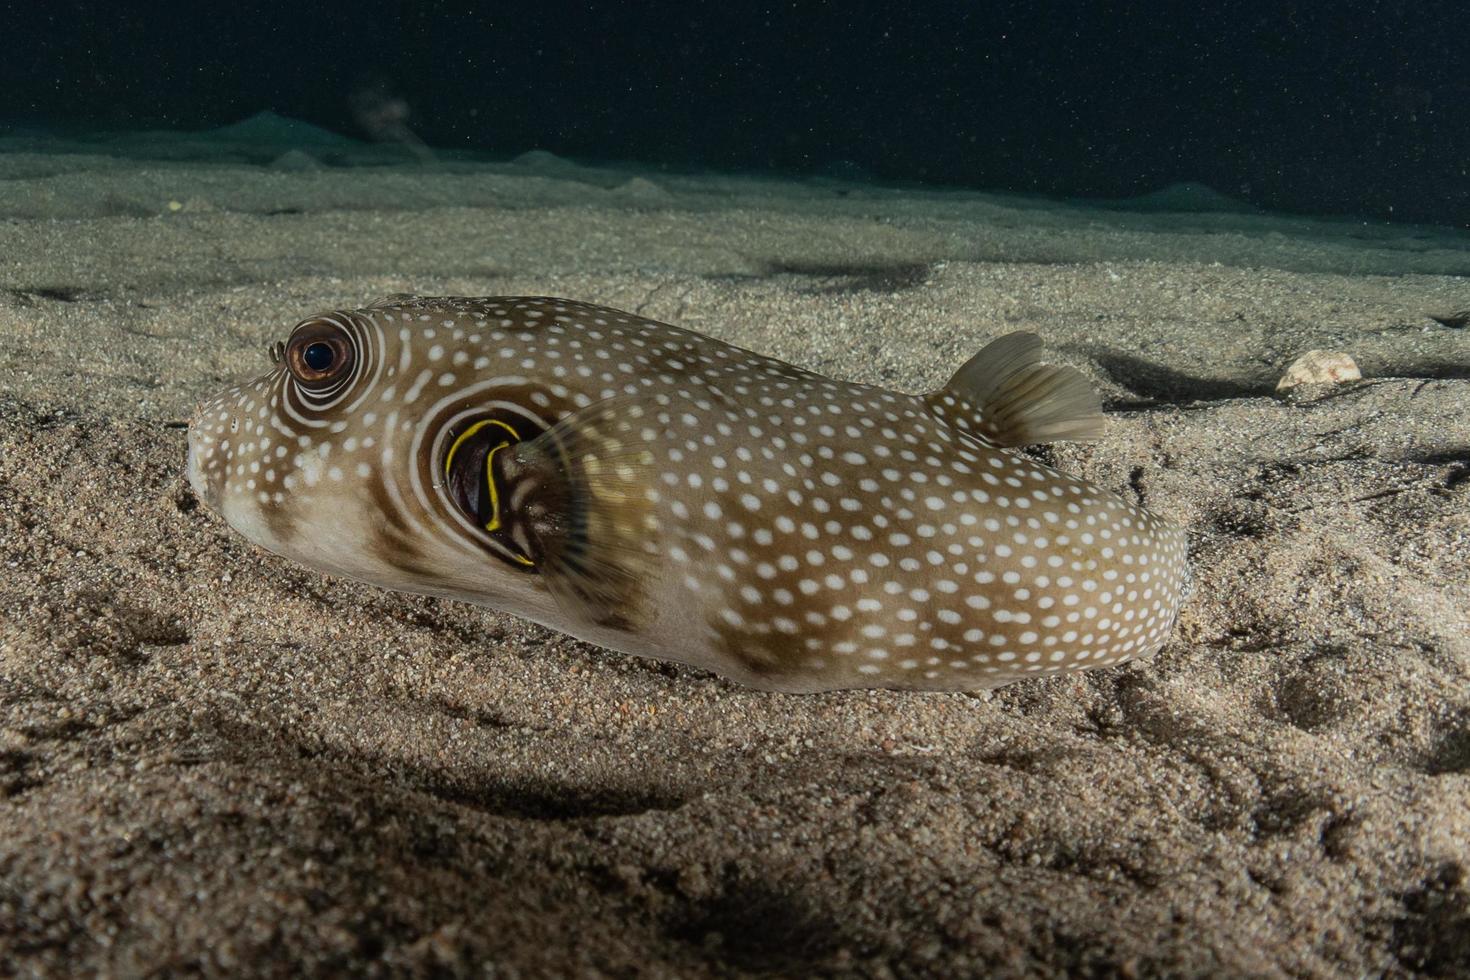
(662, 493)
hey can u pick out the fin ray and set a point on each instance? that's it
(392, 299)
(593, 471)
(1005, 395)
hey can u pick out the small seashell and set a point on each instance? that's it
(1320, 367)
(1457, 319)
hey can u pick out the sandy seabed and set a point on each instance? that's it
(214, 761)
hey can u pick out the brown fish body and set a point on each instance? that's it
(665, 494)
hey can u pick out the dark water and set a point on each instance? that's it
(1358, 109)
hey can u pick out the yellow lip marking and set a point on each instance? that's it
(494, 523)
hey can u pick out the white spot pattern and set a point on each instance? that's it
(816, 533)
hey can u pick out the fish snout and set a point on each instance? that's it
(195, 472)
(203, 448)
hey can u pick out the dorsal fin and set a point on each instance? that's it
(392, 299)
(1007, 397)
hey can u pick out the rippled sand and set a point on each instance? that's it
(213, 760)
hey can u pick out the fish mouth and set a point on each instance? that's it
(194, 470)
(195, 473)
(472, 481)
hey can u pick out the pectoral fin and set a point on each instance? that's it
(576, 500)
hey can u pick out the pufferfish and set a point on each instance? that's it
(662, 493)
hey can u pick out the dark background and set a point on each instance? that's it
(1354, 108)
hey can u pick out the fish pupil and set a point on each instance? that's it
(318, 356)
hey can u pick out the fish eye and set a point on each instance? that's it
(318, 356)
(319, 353)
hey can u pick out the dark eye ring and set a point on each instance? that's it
(319, 353)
